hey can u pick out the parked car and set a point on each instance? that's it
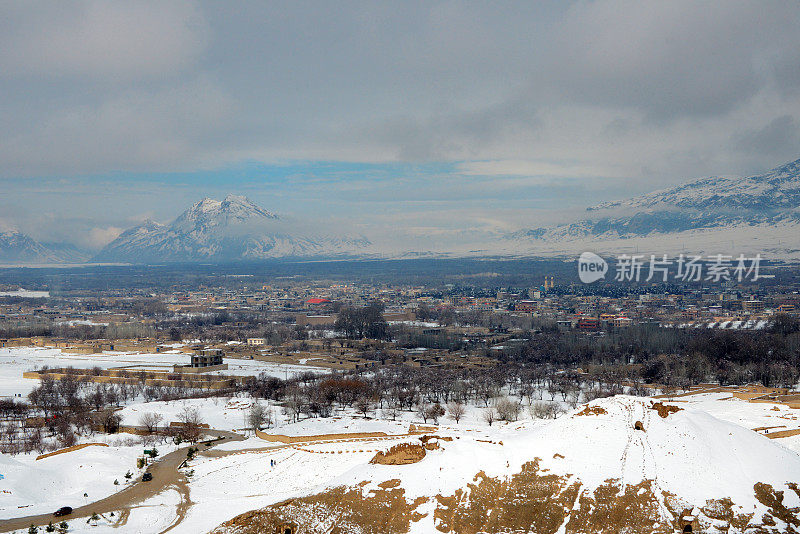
(147, 477)
(64, 510)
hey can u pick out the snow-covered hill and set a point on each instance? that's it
(719, 209)
(621, 464)
(233, 229)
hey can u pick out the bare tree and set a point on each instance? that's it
(573, 396)
(546, 410)
(191, 424)
(390, 412)
(363, 406)
(489, 415)
(109, 421)
(422, 411)
(269, 417)
(456, 411)
(507, 410)
(150, 420)
(435, 411)
(257, 416)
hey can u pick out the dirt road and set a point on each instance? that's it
(165, 475)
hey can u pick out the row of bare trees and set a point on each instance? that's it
(502, 392)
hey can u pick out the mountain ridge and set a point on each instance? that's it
(770, 199)
(19, 248)
(233, 229)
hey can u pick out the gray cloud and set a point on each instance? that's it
(673, 59)
(644, 94)
(109, 41)
(779, 137)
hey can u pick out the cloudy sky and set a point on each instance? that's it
(414, 120)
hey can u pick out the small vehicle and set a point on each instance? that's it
(64, 510)
(147, 477)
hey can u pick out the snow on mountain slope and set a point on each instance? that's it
(777, 188)
(766, 205)
(591, 471)
(16, 248)
(233, 229)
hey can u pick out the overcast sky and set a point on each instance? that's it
(415, 118)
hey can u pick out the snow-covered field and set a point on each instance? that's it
(218, 413)
(16, 360)
(31, 486)
(153, 515)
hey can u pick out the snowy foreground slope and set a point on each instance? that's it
(591, 471)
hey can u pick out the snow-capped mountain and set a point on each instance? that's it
(233, 229)
(775, 190)
(733, 206)
(19, 248)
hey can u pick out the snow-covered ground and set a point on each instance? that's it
(16, 360)
(31, 486)
(747, 414)
(153, 515)
(218, 413)
(707, 450)
(235, 484)
(689, 453)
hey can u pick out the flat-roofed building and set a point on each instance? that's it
(753, 305)
(207, 358)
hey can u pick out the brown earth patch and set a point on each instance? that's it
(420, 429)
(337, 511)
(783, 433)
(722, 510)
(280, 438)
(531, 502)
(773, 500)
(401, 454)
(664, 410)
(592, 410)
(612, 509)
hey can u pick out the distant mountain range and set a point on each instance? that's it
(721, 208)
(234, 229)
(757, 213)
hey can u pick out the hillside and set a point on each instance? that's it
(233, 229)
(592, 471)
(761, 213)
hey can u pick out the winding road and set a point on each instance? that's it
(165, 475)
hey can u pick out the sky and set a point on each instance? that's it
(414, 121)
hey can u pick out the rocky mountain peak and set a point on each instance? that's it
(232, 229)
